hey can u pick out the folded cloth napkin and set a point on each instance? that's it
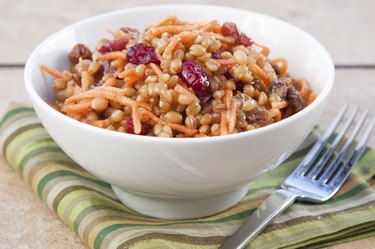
(89, 207)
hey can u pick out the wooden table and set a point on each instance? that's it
(345, 28)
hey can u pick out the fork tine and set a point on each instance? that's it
(347, 168)
(336, 162)
(323, 160)
(319, 144)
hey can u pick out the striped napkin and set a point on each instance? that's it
(89, 207)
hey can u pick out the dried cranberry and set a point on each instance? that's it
(114, 45)
(216, 55)
(105, 49)
(193, 75)
(245, 40)
(229, 76)
(142, 54)
(240, 85)
(130, 127)
(230, 29)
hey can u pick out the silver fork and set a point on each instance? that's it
(316, 179)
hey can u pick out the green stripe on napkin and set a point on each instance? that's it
(90, 208)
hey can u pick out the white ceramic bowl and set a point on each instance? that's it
(172, 177)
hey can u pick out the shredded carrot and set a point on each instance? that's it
(233, 117)
(228, 98)
(258, 71)
(51, 71)
(156, 69)
(111, 89)
(84, 95)
(275, 113)
(298, 84)
(136, 119)
(278, 116)
(183, 37)
(223, 124)
(175, 29)
(212, 26)
(171, 20)
(189, 37)
(111, 93)
(102, 123)
(152, 116)
(284, 64)
(174, 126)
(110, 82)
(183, 129)
(200, 25)
(280, 105)
(227, 62)
(112, 56)
(304, 93)
(172, 29)
(168, 52)
(311, 98)
(120, 68)
(131, 78)
(82, 107)
(265, 50)
(304, 89)
(85, 81)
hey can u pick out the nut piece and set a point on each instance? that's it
(79, 51)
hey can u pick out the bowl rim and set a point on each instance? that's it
(36, 98)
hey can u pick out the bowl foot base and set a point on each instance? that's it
(180, 208)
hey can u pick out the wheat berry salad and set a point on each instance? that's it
(178, 79)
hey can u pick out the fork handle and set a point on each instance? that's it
(271, 208)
